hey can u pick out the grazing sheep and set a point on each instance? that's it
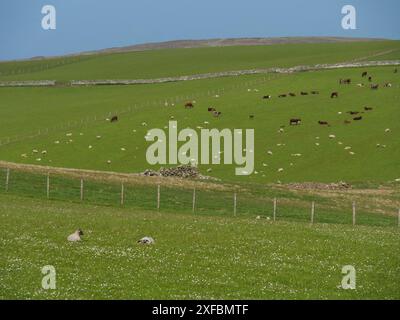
(374, 86)
(76, 236)
(146, 240)
(387, 130)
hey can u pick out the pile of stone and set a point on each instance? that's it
(182, 171)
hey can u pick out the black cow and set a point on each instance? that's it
(334, 95)
(294, 122)
(114, 119)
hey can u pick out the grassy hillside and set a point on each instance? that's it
(322, 159)
(194, 256)
(175, 62)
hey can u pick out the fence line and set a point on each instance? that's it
(54, 186)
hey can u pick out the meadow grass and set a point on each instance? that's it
(176, 62)
(195, 256)
(322, 159)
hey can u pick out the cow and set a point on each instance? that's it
(370, 79)
(347, 121)
(292, 94)
(303, 93)
(353, 112)
(374, 86)
(395, 70)
(267, 97)
(216, 114)
(314, 92)
(295, 122)
(323, 123)
(282, 96)
(368, 108)
(364, 74)
(344, 81)
(189, 105)
(357, 118)
(114, 119)
(334, 95)
(387, 85)
(211, 109)
(251, 116)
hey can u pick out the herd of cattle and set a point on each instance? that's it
(297, 121)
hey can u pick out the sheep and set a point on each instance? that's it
(387, 130)
(76, 236)
(332, 136)
(146, 240)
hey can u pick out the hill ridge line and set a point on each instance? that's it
(290, 70)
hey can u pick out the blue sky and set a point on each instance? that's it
(96, 24)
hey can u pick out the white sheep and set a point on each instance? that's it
(146, 240)
(76, 236)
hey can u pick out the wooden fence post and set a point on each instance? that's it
(234, 204)
(194, 200)
(399, 218)
(7, 178)
(81, 189)
(312, 212)
(122, 194)
(274, 209)
(48, 186)
(354, 213)
(158, 197)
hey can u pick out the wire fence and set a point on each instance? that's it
(200, 201)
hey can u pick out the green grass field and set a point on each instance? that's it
(41, 108)
(195, 257)
(211, 253)
(175, 62)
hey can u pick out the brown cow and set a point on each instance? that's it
(114, 119)
(323, 123)
(357, 118)
(189, 105)
(368, 108)
(364, 74)
(347, 121)
(251, 116)
(295, 122)
(211, 109)
(292, 94)
(282, 96)
(303, 93)
(314, 92)
(334, 95)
